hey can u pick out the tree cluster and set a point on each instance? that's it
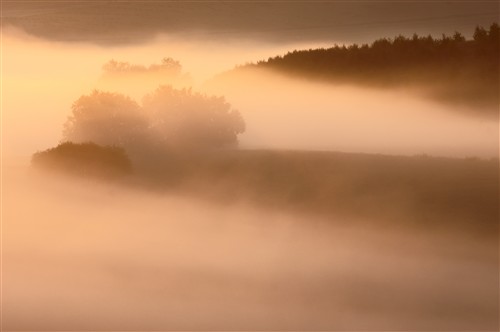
(167, 119)
(168, 66)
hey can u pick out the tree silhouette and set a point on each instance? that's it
(107, 119)
(168, 67)
(185, 119)
(85, 159)
(480, 34)
(450, 68)
(169, 119)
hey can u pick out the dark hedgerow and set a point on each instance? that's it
(84, 159)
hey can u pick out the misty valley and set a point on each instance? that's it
(345, 186)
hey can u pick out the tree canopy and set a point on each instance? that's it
(189, 119)
(105, 118)
(168, 118)
(451, 68)
(399, 52)
(168, 66)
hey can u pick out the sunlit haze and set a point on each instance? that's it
(236, 165)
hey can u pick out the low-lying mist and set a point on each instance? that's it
(204, 204)
(42, 79)
(286, 113)
(82, 255)
(279, 112)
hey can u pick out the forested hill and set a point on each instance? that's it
(449, 68)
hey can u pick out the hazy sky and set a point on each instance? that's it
(53, 52)
(116, 22)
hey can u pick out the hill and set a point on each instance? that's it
(449, 69)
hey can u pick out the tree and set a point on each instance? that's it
(106, 118)
(494, 33)
(168, 67)
(480, 34)
(185, 119)
(458, 37)
(170, 118)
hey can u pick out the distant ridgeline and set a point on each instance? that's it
(450, 69)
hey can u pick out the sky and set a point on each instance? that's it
(125, 22)
(53, 52)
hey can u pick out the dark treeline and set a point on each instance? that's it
(450, 67)
(168, 66)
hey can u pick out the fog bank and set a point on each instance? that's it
(280, 113)
(85, 256)
(284, 113)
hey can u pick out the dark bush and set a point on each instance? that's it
(85, 159)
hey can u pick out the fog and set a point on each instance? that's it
(55, 74)
(79, 255)
(42, 79)
(288, 113)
